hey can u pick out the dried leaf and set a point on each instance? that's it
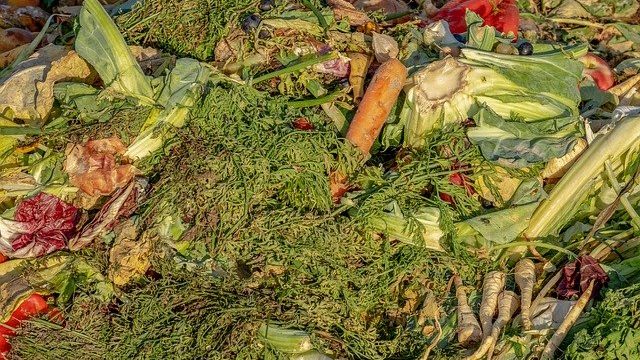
(121, 205)
(94, 169)
(35, 79)
(129, 258)
(384, 47)
(359, 67)
(387, 6)
(29, 17)
(577, 276)
(345, 10)
(8, 57)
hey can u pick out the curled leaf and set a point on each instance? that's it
(129, 257)
(384, 47)
(121, 205)
(94, 168)
(577, 276)
(42, 225)
(36, 78)
(345, 10)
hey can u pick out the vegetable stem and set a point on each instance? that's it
(635, 219)
(535, 244)
(296, 67)
(317, 101)
(577, 22)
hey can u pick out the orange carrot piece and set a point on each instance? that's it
(375, 107)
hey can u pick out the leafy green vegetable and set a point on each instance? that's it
(100, 43)
(610, 329)
(183, 88)
(610, 157)
(534, 99)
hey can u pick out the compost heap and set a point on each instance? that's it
(319, 180)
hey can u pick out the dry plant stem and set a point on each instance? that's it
(567, 323)
(435, 341)
(545, 289)
(621, 89)
(469, 330)
(491, 288)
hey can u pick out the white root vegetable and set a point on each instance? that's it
(491, 288)
(567, 323)
(469, 331)
(525, 275)
(508, 304)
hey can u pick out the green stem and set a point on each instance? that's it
(577, 22)
(297, 67)
(317, 13)
(535, 244)
(19, 130)
(635, 219)
(317, 101)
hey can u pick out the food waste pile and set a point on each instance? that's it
(319, 179)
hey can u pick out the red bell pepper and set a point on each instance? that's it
(31, 307)
(5, 347)
(501, 14)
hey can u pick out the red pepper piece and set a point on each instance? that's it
(3, 258)
(31, 307)
(501, 14)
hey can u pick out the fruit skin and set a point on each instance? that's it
(525, 48)
(598, 70)
(250, 22)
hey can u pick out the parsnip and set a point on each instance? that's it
(525, 275)
(567, 323)
(491, 288)
(469, 331)
(508, 304)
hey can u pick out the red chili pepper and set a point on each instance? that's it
(31, 307)
(501, 14)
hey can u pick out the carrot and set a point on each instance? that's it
(508, 304)
(382, 93)
(567, 323)
(380, 96)
(525, 274)
(491, 288)
(468, 327)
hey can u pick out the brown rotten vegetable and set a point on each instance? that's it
(14, 37)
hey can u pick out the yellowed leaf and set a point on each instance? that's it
(28, 93)
(129, 257)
